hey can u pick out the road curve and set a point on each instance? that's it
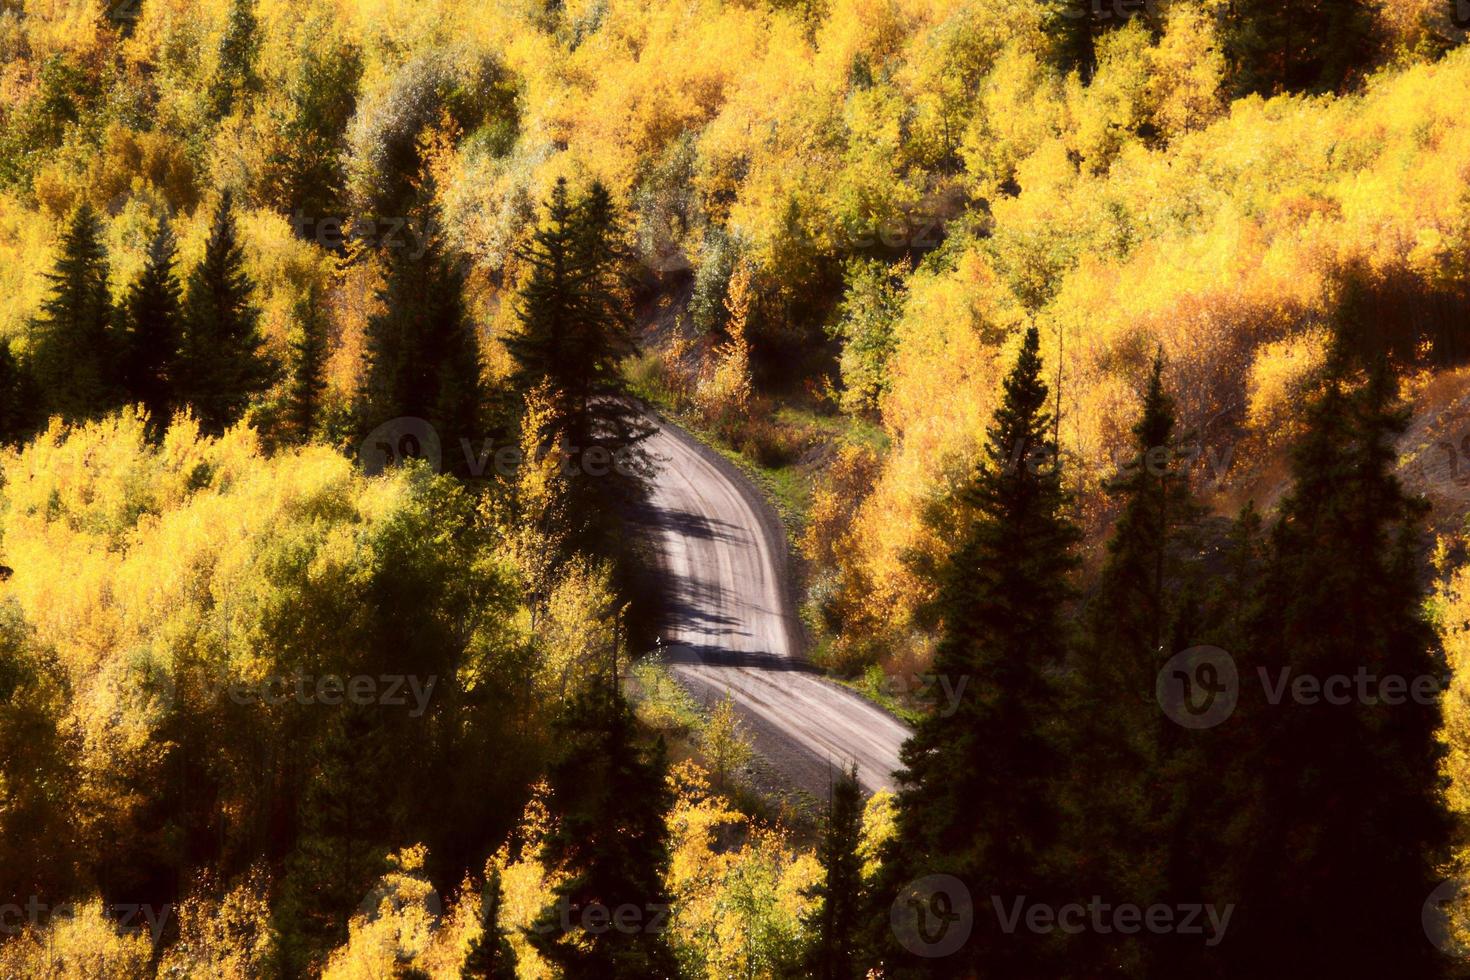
(730, 626)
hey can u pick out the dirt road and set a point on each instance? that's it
(730, 625)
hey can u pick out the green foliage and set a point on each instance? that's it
(865, 324)
(235, 76)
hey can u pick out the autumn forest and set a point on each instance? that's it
(734, 488)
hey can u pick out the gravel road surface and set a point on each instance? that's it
(730, 625)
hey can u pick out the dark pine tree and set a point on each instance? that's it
(979, 794)
(610, 842)
(222, 362)
(235, 75)
(1121, 808)
(837, 921)
(74, 342)
(490, 954)
(309, 368)
(575, 330)
(423, 356)
(1348, 825)
(1298, 45)
(152, 332)
(20, 402)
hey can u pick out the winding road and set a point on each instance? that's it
(730, 625)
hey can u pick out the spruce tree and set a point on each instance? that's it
(151, 315)
(979, 794)
(1347, 827)
(239, 47)
(74, 342)
(575, 329)
(423, 356)
(611, 843)
(1121, 815)
(490, 954)
(309, 367)
(222, 362)
(19, 399)
(836, 923)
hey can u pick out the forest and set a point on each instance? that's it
(1105, 365)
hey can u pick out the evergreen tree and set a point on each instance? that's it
(1120, 767)
(1298, 45)
(575, 330)
(74, 343)
(1348, 826)
(19, 399)
(222, 363)
(151, 316)
(490, 955)
(309, 367)
(239, 48)
(611, 843)
(978, 795)
(837, 921)
(423, 356)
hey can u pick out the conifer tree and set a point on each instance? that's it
(1348, 827)
(611, 843)
(222, 362)
(151, 315)
(837, 919)
(239, 47)
(490, 954)
(575, 329)
(309, 367)
(1120, 812)
(19, 399)
(979, 794)
(75, 347)
(423, 356)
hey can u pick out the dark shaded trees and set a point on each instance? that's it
(75, 348)
(423, 356)
(151, 317)
(610, 841)
(308, 382)
(1348, 826)
(1298, 45)
(838, 919)
(979, 791)
(222, 360)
